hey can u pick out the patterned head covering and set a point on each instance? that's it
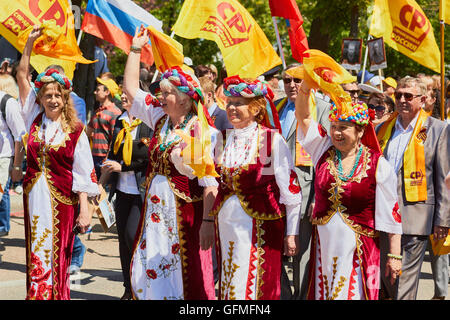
(357, 113)
(234, 86)
(184, 82)
(51, 75)
(360, 114)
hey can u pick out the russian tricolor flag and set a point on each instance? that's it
(116, 21)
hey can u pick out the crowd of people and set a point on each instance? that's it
(344, 196)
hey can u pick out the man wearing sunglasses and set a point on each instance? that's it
(305, 172)
(417, 146)
(352, 89)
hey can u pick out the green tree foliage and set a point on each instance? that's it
(325, 22)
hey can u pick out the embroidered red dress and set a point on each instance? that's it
(258, 189)
(58, 165)
(167, 261)
(346, 220)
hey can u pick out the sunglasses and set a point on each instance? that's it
(289, 80)
(352, 92)
(408, 96)
(377, 108)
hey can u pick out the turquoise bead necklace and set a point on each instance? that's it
(341, 175)
(164, 145)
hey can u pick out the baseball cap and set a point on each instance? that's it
(390, 82)
(111, 85)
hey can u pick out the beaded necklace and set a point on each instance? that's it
(164, 145)
(43, 144)
(230, 172)
(341, 175)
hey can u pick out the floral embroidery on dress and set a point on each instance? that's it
(93, 176)
(294, 186)
(151, 274)
(155, 218)
(143, 245)
(175, 248)
(39, 289)
(322, 130)
(396, 213)
(151, 100)
(159, 217)
(155, 199)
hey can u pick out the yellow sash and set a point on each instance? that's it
(125, 133)
(415, 180)
(302, 158)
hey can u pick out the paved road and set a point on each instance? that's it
(101, 276)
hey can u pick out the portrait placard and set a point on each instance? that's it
(377, 54)
(351, 54)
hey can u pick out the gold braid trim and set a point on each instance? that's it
(260, 251)
(233, 184)
(228, 271)
(182, 242)
(337, 189)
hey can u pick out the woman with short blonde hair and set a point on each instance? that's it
(9, 85)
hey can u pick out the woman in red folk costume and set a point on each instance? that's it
(168, 261)
(58, 179)
(258, 203)
(356, 198)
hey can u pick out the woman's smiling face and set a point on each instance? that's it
(52, 100)
(238, 112)
(344, 135)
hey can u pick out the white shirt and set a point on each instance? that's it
(14, 125)
(398, 143)
(212, 108)
(127, 180)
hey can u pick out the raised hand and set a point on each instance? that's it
(140, 38)
(35, 33)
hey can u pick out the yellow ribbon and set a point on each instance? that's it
(415, 179)
(125, 135)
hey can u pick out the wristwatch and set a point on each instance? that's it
(17, 168)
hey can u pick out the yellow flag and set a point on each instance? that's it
(321, 70)
(17, 18)
(197, 153)
(167, 52)
(405, 27)
(444, 11)
(245, 48)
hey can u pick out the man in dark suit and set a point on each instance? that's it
(417, 146)
(305, 173)
(218, 115)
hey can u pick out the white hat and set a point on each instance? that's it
(369, 88)
(188, 61)
(375, 81)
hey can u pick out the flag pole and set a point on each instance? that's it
(274, 20)
(79, 37)
(443, 116)
(365, 61)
